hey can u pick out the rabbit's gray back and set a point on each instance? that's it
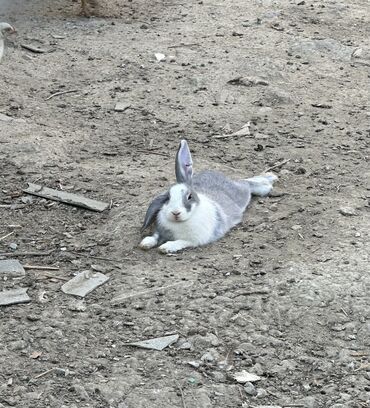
(231, 196)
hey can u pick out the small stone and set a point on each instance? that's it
(296, 227)
(121, 106)
(77, 306)
(250, 389)
(207, 357)
(186, 345)
(33, 318)
(13, 246)
(194, 364)
(261, 393)
(347, 211)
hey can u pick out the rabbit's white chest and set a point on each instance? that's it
(199, 228)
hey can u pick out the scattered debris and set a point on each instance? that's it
(243, 376)
(248, 81)
(159, 343)
(67, 198)
(34, 49)
(348, 211)
(11, 267)
(121, 106)
(159, 56)
(244, 131)
(61, 93)
(14, 296)
(84, 283)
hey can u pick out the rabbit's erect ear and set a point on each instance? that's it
(153, 210)
(184, 164)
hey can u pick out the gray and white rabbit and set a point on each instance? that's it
(199, 209)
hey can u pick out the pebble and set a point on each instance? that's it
(207, 357)
(261, 393)
(250, 389)
(347, 211)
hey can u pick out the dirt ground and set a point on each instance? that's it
(285, 295)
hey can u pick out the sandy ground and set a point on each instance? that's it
(285, 295)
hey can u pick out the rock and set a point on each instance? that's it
(121, 106)
(261, 393)
(11, 268)
(77, 306)
(347, 211)
(250, 389)
(207, 357)
(243, 377)
(13, 246)
(186, 345)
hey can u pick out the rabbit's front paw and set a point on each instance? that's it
(148, 242)
(174, 246)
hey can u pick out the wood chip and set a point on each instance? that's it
(67, 198)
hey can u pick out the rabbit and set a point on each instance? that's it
(199, 209)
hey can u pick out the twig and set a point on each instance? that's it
(277, 165)
(27, 253)
(253, 292)
(61, 93)
(13, 206)
(62, 278)
(42, 268)
(182, 394)
(101, 258)
(7, 235)
(33, 49)
(44, 373)
(152, 152)
(125, 297)
(184, 45)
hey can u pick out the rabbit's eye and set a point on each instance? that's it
(190, 196)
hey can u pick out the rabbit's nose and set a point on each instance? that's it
(176, 213)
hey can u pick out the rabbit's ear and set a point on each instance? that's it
(153, 209)
(184, 164)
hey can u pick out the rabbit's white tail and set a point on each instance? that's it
(262, 185)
